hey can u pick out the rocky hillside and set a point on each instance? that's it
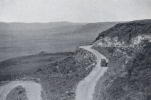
(127, 45)
(59, 73)
(126, 31)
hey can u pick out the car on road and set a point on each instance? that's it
(104, 63)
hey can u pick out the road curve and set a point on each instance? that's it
(33, 89)
(86, 87)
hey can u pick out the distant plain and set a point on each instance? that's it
(21, 39)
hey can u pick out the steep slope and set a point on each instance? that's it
(126, 31)
(127, 46)
(128, 76)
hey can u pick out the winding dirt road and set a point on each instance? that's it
(33, 89)
(86, 87)
(84, 91)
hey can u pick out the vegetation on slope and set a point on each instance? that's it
(129, 69)
(126, 31)
(127, 78)
(59, 73)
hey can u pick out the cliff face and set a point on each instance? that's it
(128, 48)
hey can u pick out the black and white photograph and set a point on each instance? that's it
(75, 49)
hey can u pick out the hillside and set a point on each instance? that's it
(127, 46)
(59, 73)
(128, 76)
(19, 39)
(126, 31)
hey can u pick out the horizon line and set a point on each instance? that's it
(40, 22)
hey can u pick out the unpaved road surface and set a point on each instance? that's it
(33, 89)
(86, 87)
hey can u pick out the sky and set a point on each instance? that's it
(74, 10)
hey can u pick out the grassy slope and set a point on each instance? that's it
(59, 73)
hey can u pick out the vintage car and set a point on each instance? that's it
(103, 63)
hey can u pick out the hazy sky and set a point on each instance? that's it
(74, 10)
